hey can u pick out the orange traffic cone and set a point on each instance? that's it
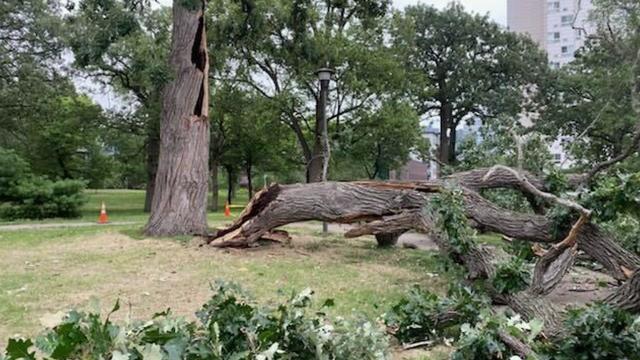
(103, 219)
(227, 209)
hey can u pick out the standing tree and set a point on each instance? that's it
(381, 141)
(464, 67)
(126, 50)
(180, 197)
(274, 47)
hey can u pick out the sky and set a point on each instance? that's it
(497, 9)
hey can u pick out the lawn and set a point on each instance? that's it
(48, 271)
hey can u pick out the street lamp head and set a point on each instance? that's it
(324, 73)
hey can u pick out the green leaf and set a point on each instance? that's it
(19, 349)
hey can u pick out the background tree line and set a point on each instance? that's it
(394, 69)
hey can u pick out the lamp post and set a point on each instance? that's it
(324, 75)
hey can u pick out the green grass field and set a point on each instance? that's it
(47, 271)
(128, 205)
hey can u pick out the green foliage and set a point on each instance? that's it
(231, 326)
(511, 277)
(451, 219)
(555, 180)
(463, 84)
(598, 332)
(561, 219)
(499, 146)
(382, 141)
(521, 249)
(626, 230)
(24, 195)
(348, 36)
(615, 195)
(421, 315)
(482, 341)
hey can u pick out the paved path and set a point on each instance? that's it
(61, 225)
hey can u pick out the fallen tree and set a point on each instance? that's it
(387, 209)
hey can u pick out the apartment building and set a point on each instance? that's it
(558, 26)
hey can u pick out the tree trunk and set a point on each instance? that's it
(215, 188)
(153, 153)
(387, 208)
(446, 114)
(318, 166)
(249, 182)
(230, 181)
(452, 143)
(179, 203)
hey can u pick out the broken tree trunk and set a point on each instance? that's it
(388, 207)
(179, 205)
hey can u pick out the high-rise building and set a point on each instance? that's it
(558, 26)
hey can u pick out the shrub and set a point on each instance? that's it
(24, 195)
(230, 326)
(39, 198)
(419, 315)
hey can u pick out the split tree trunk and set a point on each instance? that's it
(179, 204)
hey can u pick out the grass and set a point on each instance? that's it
(128, 205)
(47, 271)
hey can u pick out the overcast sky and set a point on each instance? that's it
(497, 9)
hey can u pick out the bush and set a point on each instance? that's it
(24, 195)
(230, 326)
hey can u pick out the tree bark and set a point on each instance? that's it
(249, 182)
(215, 188)
(153, 153)
(179, 204)
(446, 118)
(230, 182)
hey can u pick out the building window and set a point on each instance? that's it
(565, 49)
(556, 36)
(557, 158)
(566, 20)
(554, 6)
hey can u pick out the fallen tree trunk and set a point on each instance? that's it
(356, 202)
(389, 207)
